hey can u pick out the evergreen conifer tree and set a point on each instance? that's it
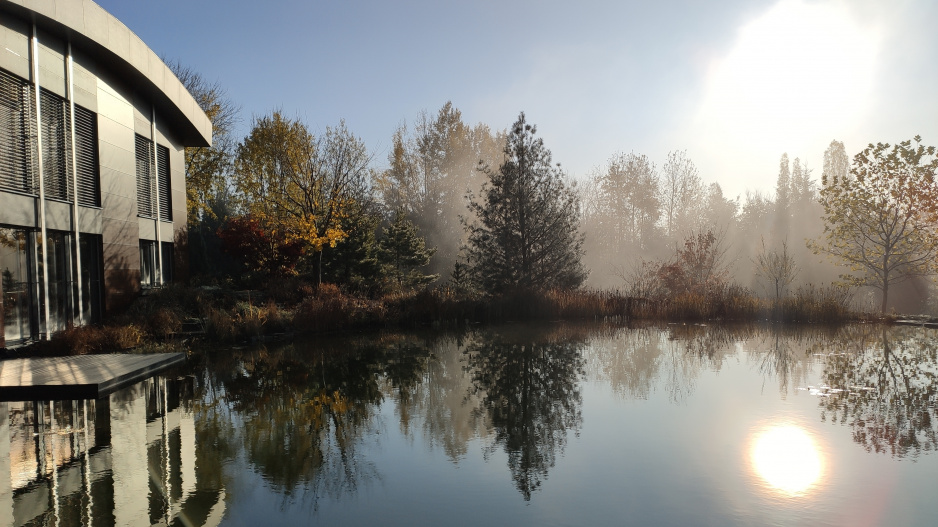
(527, 233)
(403, 252)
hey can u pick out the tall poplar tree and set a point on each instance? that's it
(527, 233)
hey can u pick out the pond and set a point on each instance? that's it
(515, 425)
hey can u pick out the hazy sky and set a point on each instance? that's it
(736, 83)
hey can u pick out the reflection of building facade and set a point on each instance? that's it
(93, 128)
(130, 456)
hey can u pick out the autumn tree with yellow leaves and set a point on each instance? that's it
(299, 185)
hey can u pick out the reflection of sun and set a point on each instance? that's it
(787, 458)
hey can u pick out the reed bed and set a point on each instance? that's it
(225, 316)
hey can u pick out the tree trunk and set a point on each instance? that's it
(885, 296)
(319, 270)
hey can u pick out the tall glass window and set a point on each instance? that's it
(91, 271)
(58, 259)
(14, 282)
(148, 269)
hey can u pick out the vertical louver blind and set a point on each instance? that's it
(18, 154)
(56, 147)
(86, 157)
(144, 154)
(163, 184)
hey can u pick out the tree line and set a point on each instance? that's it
(482, 212)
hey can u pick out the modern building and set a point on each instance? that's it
(93, 127)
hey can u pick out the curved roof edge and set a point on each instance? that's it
(90, 28)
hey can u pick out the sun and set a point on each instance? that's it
(796, 77)
(787, 459)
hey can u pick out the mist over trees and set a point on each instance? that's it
(469, 208)
(431, 170)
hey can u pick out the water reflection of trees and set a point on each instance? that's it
(637, 361)
(786, 352)
(888, 378)
(529, 383)
(441, 405)
(300, 413)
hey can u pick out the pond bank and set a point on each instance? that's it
(169, 318)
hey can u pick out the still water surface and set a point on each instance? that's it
(519, 425)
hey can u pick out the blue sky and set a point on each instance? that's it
(735, 83)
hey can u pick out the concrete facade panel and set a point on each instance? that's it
(115, 108)
(179, 206)
(116, 133)
(119, 232)
(146, 228)
(58, 216)
(114, 205)
(121, 274)
(117, 160)
(71, 13)
(166, 231)
(14, 46)
(108, 83)
(172, 86)
(118, 37)
(96, 25)
(90, 220)
(52, 69)
(156, 69)
(84, 80)
(43, 7)
(85, 98)
(17, 209)
(117, 186)
(139, 57)
(141, 124)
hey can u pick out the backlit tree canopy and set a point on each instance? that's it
(297, 183)
(879, 220)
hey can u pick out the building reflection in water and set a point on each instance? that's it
(119, 460)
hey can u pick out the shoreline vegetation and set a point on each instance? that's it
(175, 316)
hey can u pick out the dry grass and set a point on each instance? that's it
(295, 306)
(331, 309)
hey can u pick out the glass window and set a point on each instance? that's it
(148, 273)
(91, 271)
(14, 282)
(167, 267)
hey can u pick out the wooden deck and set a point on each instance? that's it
(81, 377)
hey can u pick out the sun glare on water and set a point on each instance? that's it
(787, 459)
